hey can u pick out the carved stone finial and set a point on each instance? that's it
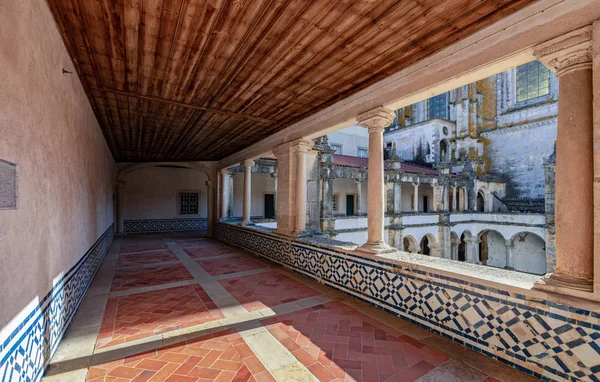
(376, 119)
(566, 53)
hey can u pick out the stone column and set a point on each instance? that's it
(226, 194)
(453, 198)
(375, 121)
(510, 258)
(274, 176)
(465, 199)
(285, 189)
(415, 196)
(210, 206)
(218, 196)
(570, 56)
(120, 207)
(358, 195)
(472, 250)
(247, 192)
(300, 148)
(434, 200)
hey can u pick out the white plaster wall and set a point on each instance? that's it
(496, 250)
(261, 184)
(343, 187)
(152, 192)
(66, 172)
(351, 138)
(530, 254)
(407, 195)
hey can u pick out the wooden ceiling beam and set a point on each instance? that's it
(189, 106)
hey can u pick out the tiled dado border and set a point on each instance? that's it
(539, 337)
(28, 349)
(162, 225)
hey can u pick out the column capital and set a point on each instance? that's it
(274, 175)
(569, 52)
(376, 119)
(416, 184)
(248, 163)
(358, 181)
(301, 145)
(210, 184)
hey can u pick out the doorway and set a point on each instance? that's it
(425, 205)
(269, 206)
(350, 205)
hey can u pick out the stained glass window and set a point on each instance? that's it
(533, 81)
(438, 107)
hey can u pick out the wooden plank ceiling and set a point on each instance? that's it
(173, 80)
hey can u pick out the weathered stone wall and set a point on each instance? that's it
(518, 154)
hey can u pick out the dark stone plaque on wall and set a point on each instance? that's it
(8, 185)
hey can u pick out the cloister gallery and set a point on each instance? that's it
(255, 190)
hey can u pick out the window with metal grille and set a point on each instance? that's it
(363, 153)
(188, 203)
(337, 148)
(334, 202)
(533, 81)
(438, 106)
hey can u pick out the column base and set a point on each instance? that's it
(375, 248)
(564, 284)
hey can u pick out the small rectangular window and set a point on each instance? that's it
(363, 153)
(533, 81)
(334, 202)
(188, 203)
(337, 148)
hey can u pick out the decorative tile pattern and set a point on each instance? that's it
(221, 356)
(199, 253)
(147, 276)
(216, 267)
(145, 314)
(533, 335)
(161, 225)
(336, 343)
(137, 259)
(267, 289)
(26, 352)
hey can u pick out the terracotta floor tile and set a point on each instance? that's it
(142, 245)
(267, 289)
(148, 276)
(137, 259)
(200, 253)
(145, 314)
(175, 365)
(242, 263)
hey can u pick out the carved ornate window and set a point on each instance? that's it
(438, 106)
(188, 203)
(533, 81)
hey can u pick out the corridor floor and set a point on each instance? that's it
(183, 307)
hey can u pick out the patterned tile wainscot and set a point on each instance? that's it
(161, 225)
(530, 330)
(26, 351)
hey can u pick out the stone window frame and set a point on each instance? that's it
(359, 149)
(179, 194)
(506, 91)
(334, 145)
(335, 201)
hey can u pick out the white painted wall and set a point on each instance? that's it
(530, 254)
(261, 184)
(496, 250)
(351, 138)
(343, 187)
(152, 193)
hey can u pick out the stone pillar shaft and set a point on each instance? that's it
(510, 258)
(454, 198)
(226, 191)
(376, 121)
(358, 195)
(274, 176)
(415, 197)
(210, 205)
(301, 198)
(247, 192)
(472, 250)
(570, 55)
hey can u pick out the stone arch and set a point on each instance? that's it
(462, 245)
(426, 244)
(528, 252)
(208, 169)
(480, 201)
(445, 149)
(409, 244)
(492, 249)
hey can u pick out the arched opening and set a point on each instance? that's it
(425, 245)
(462, 246)
(409, 244)
(480, 202)
(492, 250)
(444, 151)
(529, 253)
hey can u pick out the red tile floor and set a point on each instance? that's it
(315, 333)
